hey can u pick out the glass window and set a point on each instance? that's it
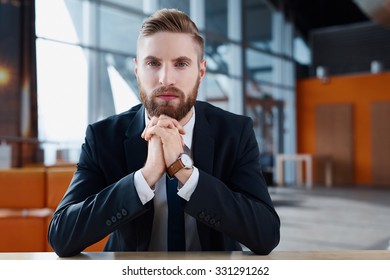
(266, 72)
(133, 4)
(62, 82)
(63, 20)
(118, 30)
(182, 5)
(217, 55)
(118, 84)
(217, 87)
(86, 48)
(216, 17)
(259, 24)
(259, 66)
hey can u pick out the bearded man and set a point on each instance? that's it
(173, 173)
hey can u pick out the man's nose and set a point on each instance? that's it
(167, 76)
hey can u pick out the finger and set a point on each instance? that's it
(174, 122)
(148, 135)
(152, 122)
(166, 123)
(167, 135)
(161, 131)
(149, 132)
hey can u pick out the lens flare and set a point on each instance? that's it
(4, 76)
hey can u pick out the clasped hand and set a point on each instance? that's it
(165, 144)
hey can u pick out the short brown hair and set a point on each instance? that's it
(171, 20)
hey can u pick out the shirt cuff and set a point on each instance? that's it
(189, 187)
(145, 193)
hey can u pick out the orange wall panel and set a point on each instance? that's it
(358, 90)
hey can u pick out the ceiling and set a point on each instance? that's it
(308, 15)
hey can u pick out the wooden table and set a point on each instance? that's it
(276, 255)
(357, 265)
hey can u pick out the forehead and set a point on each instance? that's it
(167, 45)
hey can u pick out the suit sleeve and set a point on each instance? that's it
(239, 206)
(90, 209)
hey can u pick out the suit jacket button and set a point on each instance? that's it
(207, 218)
(119, 215)
(201, 215)
(217, 223)
(212, 221)
(124, 212)
(108, 223)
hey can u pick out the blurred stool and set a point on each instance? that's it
(299, 159)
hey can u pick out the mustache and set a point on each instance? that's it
(164, 89)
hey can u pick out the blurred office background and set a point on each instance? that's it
(314, 75)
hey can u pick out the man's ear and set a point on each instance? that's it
(202, 68)
(135, 66)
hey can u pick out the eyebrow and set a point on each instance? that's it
(180, 58)
(151, 57)
(183, 58)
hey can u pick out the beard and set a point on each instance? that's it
(168, 108)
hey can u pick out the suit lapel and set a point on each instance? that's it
(203, 142)
(135, 147)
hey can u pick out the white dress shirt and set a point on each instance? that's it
(159, 231)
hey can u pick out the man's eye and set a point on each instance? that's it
(181, 64)
(152, 63)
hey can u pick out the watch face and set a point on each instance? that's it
(186, 160)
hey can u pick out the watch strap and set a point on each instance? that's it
(174, 168)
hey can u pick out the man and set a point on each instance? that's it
(120, 187)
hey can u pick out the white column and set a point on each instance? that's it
(236, 94)
(277, 75)
(198, 16)
(277, 46)
(288, 75)
(198, 13)
(284, 74)
(90, 37)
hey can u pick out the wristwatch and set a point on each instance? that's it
(184, 161)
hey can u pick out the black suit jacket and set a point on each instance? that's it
(231, 202)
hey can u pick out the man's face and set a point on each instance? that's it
(169, 72)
